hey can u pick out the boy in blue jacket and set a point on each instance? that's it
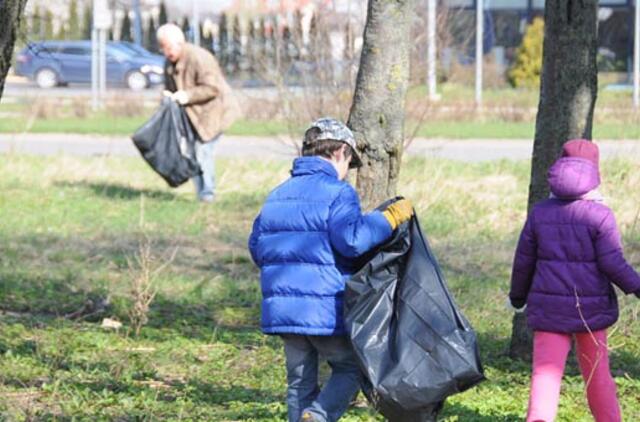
(305, 241)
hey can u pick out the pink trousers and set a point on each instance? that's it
(550, 352)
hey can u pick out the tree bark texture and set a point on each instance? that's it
(11, 15)
(568, 90)
(377, 113)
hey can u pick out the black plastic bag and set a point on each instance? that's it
(167, 143)
(412, 342)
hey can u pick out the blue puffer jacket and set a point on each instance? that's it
(304, 240)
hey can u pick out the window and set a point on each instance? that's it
(113, 53)
(614, 2)
(459, 3)
(488, 4)
(76, 51)
(521, 4)
(505, 4)
(45, 49)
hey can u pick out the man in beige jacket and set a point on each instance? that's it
(194, 79)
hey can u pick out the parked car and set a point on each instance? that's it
(53, 63)
(135, 48)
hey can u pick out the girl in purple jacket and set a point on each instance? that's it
(568, 256)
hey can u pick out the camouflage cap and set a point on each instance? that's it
(334, 130)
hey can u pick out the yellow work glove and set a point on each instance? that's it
(398, 212)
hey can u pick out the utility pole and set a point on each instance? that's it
(431, 49)
(94, 63)
(101, 23)
(636, 58)
(195, 23)
(137, 23)
(479, 48)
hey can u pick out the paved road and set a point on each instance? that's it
(20, 88)
(282, 148)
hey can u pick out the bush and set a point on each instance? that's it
(527, 67)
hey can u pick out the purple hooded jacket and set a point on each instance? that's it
(568, 255)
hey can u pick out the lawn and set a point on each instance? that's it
(445, 129)
(102, 124)
(71, 229)
(507, 114)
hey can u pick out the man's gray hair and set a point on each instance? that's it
(170, 32)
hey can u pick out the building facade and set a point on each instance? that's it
(506, 20)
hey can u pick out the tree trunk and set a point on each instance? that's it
(11, 14)
(568, 90)
(377, 112)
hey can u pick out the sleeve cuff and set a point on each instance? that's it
(518, 303)
(381, 222)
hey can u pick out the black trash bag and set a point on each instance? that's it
(412, 342)
(167, 143)
(395, 413)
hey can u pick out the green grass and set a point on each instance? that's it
(514, 130)
(123, 126)
(102, 124)
(98, 124)
(477, 130)
(525, 97)
(507, 114)
(70, 230)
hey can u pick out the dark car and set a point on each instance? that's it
(52, 63)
